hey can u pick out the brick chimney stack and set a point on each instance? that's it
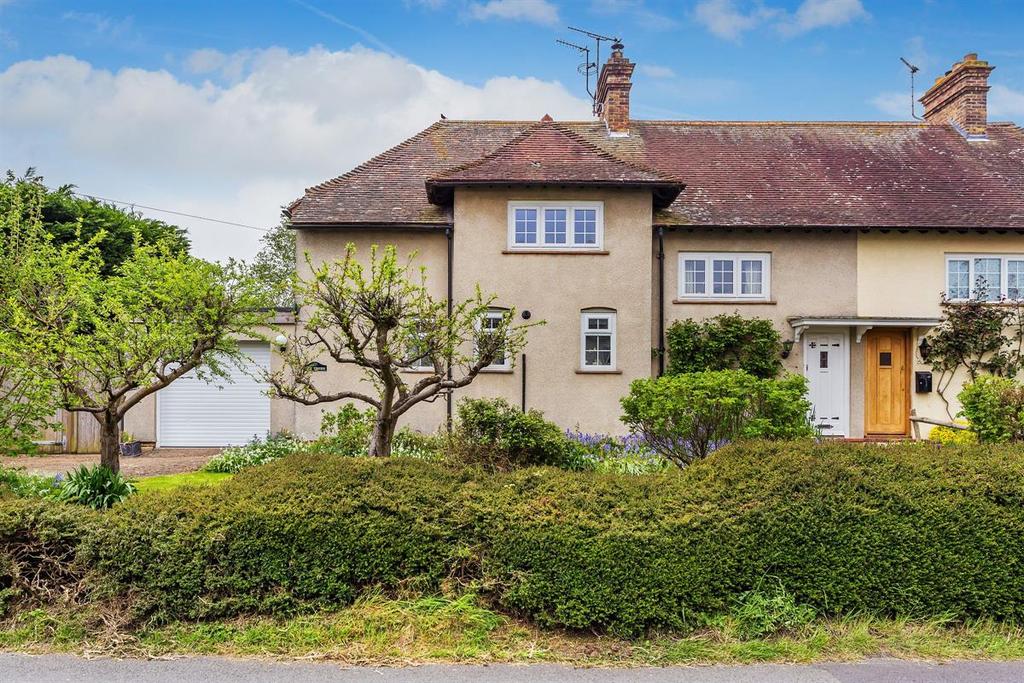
(613, 92)
(960, 97)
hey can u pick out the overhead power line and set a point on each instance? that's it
(175, 213)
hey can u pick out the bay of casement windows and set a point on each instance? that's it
(725, 275)
(988, 277)
(555, 226)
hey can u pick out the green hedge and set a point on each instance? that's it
(900, 530)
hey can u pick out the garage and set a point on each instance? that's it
(194, 413)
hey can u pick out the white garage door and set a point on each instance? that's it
(191, 412)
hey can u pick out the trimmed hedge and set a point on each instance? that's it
(901, 530)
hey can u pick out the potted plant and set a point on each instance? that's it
(130, 448)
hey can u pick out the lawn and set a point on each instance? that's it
(166, 482)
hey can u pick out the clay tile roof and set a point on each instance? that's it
(546, 153)
(841, 174)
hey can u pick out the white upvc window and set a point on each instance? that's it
(419, 351)
(597, 340)
(491, 321)
(725, 275)
(988, 277)
(555, 225)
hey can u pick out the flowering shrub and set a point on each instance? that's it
(256, 452)
(619, 454)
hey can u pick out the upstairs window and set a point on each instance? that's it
(988, 277)
(597, 340)
(555, 225)
(724, 275)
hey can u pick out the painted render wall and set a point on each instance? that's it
(904, 274)
(813, 273)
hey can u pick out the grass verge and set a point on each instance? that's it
(385, 631)
(166, 482)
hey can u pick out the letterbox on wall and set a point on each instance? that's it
(923, 382)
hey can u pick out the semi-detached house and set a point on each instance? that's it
(844, 234)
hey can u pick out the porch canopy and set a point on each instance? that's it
(862, 324)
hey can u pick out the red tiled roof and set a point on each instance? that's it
(546, 153)
(838, 174)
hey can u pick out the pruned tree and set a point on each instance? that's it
(384, 321)
(105, 343)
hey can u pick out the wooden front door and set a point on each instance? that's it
(887, 382)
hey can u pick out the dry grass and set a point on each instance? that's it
(383, 631)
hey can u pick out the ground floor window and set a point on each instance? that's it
(724, 275)
(491, 321)
(597, 340)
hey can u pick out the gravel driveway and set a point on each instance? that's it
(151, 462)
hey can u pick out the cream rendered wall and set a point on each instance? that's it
(555, 288)
(427, 249)
(813, 273)
(904, 274)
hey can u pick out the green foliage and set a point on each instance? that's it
(25, 485)
(382, 319)
(493, 434)
(953, 437)
(686, 417)
(70, 219)
(725, 342)
(767, 611)
(345, 432)
(168, 482)
(275, 263)
(104, 342)
(994, 407)
(98, 487)
(256, 452)
(899, 530)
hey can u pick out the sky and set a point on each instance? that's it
(227, 110)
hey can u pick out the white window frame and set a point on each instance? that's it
(570, 243)
(497, 314)
(1004, 274)
(595, 314)
(425, 363)
(737, 258)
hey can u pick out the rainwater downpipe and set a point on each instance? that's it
(450, 236)
(661, 301)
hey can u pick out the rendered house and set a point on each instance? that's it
(844, 234)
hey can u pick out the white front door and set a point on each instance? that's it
(827, 368)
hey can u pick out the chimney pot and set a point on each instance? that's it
(613, 86)
(960, 97)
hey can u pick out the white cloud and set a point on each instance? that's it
(814, 14)
(656, 71)
(894, 104)
(100, 24)
(635, 11)
(1006, 103)
(535, 11)
(237, 149)
(724, 18)
(730, 19)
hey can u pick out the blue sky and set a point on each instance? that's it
(229, 109)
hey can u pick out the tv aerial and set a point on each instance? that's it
(588, 67)
(913, 103)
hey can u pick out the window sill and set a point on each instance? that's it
(418, 371)
(561, 252)
(497, 371)
(731, 302)
(599, 372)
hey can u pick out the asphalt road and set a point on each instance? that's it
(64, 668)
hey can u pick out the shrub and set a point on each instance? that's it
(953, 437)
(256, 452)
(498, 436)
(686, 417)
(901, 530)
(345, 432)
(98, 487)
(725, 342)
(25, 485)
(622, 455)
(768, 610)
(994, 407)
